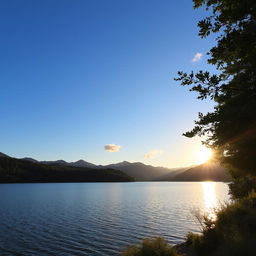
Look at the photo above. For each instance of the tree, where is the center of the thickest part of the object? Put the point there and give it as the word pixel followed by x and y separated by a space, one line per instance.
pixel 230 130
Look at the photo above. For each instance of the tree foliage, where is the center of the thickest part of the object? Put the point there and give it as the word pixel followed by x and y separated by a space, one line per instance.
pixel 231 128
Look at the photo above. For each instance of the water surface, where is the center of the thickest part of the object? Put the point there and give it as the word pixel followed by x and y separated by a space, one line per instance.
pixel 99 218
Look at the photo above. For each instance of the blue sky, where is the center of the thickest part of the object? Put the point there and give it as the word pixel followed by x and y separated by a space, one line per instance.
pixel 79 75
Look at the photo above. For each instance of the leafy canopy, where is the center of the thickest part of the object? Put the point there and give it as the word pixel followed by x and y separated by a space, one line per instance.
pixel 231 128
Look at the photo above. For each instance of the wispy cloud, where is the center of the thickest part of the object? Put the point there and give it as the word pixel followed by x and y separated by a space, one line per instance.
pixel 153 153
pixel 112 148
pixel 197 57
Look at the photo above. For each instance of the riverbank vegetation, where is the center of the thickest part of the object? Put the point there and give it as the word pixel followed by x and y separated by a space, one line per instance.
pixel 157 246
pixel 233 232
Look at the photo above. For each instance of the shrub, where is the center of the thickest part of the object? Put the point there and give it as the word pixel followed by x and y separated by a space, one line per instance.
pixel 157 246
pixel 194 241
pixel 232 233
pixel 242 186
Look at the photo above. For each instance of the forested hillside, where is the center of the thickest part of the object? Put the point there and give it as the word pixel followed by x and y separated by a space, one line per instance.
pixel 16 170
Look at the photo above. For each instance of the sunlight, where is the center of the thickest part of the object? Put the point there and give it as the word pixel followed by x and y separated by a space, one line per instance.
pixel 210 199
pixel 204 154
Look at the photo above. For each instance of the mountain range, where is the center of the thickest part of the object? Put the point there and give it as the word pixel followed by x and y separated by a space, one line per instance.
pixel 139 171
pixel 13 170
pixel 26 168
pixel 142 172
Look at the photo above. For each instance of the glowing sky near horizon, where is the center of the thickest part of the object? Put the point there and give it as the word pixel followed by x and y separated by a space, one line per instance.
pixel 93 80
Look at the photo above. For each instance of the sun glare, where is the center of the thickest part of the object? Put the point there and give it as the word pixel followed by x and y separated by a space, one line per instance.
pixel 204 154
pixel 210 200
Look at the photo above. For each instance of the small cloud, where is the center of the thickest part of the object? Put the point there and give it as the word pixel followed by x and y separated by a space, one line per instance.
pixel 197 57
pixel 153 154
pixel 112 148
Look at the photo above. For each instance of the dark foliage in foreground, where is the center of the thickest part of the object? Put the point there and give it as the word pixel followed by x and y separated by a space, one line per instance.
pixel 15 170
pixel 242 187
pixel 150 247
pixel 232 233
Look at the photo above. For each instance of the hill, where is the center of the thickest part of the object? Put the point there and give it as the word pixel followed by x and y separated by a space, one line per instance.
pixel 169 176
pixel 142 172
pixel 138 171
pixel 204 172
pixel 14 170
pixel 79 163
pixel 3 155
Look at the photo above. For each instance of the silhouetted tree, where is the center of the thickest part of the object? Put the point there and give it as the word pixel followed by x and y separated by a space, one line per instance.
pixel 231 128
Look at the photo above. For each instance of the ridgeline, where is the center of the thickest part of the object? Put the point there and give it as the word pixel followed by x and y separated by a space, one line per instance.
pixel 14 170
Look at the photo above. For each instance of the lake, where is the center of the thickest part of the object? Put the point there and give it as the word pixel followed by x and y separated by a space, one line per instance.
pixel 99 218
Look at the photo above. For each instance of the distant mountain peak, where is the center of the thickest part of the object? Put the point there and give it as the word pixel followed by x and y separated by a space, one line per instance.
pixel 60 162
pixel 81 161
pixel 30 159
pixel 125 162
pixel 121 163
pixel 3 155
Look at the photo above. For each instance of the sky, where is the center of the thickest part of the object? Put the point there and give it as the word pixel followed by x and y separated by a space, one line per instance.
pixel 93 80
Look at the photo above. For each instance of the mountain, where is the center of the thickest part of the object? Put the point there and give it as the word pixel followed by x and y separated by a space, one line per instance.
pixel 30 159
pixel 204 172
pixel 3 155
pixel 57 162
pixel 14 170
pixel 169 176
pixel 82 163
pixel 79 163
pixel 140 171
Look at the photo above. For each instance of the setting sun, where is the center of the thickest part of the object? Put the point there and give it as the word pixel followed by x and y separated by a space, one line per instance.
pixel 203 155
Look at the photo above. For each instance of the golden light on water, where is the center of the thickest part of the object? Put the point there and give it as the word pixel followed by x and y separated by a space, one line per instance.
pixel 210 199
pixel 204 154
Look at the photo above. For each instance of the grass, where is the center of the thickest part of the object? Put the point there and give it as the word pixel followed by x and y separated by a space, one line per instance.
pixel 157 246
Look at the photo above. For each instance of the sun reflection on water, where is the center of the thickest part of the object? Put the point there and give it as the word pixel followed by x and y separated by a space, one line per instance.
pixel 210 199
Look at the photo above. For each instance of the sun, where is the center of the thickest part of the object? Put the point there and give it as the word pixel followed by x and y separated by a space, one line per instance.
pixel 204 154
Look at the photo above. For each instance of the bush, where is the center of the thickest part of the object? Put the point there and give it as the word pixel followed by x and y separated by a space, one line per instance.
pixel 242 186
pixel 194 241
pixel 232 233
pixel 150 247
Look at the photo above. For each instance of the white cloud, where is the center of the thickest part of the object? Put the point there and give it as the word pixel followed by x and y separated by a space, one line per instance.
pixel 112 148
pixel 153 153
pixel 197 57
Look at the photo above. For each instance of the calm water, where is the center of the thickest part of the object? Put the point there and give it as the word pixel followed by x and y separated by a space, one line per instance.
pixel 99 218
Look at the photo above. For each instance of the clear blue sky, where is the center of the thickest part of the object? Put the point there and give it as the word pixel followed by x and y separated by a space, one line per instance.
pixel 80 74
